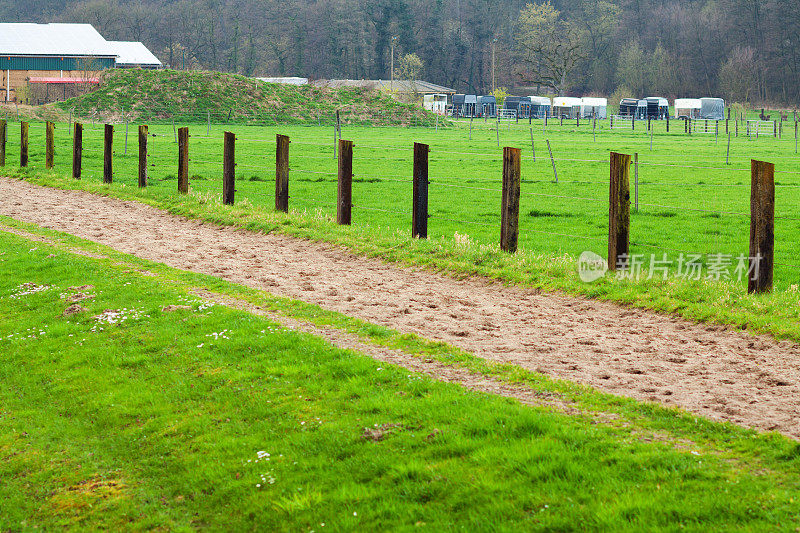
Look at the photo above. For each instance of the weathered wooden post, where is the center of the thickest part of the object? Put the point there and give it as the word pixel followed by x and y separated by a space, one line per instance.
pixel 419 210
pixel 108 154
pixel 23 144
pixel 509 218
pixel 77 150
pixel 762 226
pixel 229 169
pixel 282 173
pixel 49 150
pixel 183 160
pixel 619 209
pixel 344 200
pixel 143 130
pixel 3 133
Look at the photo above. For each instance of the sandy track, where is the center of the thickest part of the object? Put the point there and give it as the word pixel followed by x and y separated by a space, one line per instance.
pixel 718 373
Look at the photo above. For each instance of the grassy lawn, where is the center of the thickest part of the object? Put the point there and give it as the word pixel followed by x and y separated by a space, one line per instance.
pixel 689 202
pixel 164 419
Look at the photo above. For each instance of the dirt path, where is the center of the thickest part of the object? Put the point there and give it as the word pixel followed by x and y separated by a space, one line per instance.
pixel 727 375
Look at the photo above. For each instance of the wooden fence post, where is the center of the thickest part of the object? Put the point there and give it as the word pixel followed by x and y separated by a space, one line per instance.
pixel 229 169
pixel 183 160
pixel 419 210
pixel 143 130
pixel 619 209
pixel 509 217
pixel 3 133
pixel 344 201
pixel 282 173
pixel 762 226
pixel 23 144
pixel 49 149
pixel 108 154
pixel 77 150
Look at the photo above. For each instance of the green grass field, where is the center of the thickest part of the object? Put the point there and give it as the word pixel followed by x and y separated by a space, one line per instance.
pixel 690 201
pixel 212 418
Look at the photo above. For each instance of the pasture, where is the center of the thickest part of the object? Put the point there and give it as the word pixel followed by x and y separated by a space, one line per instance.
pixel 690 203
pixel 689 200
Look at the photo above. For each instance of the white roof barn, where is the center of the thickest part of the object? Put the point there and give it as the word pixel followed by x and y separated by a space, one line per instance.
pixel 40 44
pixel 26 39
pixel 31 53
pixel 133 55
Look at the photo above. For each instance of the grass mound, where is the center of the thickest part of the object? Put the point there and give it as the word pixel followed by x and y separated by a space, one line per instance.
pixel 197 96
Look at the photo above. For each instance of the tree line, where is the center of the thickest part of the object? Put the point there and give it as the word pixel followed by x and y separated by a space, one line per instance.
pixel 742 50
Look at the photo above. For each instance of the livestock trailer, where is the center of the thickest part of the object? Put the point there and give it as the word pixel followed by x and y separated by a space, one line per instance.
pixel 487 106
pixel 594 107
pixel 520 106
pixel 541 106
pixel 470 105
pixel 655 108
pixel 712 108
pixel 436 103
pixel 628 107
pixel 458 105
pixel 566 106
pixel 687 108
pixel 511 105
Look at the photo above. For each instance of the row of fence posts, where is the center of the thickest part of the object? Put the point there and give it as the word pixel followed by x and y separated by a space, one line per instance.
pixel 762 195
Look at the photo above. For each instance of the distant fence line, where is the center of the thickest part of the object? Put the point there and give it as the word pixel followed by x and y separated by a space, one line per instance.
pixel 755 128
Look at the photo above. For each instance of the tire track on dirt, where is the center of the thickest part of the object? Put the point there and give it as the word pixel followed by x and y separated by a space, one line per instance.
pixel 709 370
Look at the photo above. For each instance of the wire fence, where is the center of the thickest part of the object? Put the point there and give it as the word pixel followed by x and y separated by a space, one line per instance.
pixel 379 165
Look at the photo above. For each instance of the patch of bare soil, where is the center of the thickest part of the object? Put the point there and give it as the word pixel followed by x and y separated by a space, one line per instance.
pixel 718 373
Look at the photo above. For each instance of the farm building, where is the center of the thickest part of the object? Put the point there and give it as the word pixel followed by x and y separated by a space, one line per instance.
pixel 133 55
pixel 594 107
pixel 286 80
pixel 566 106
pixel 436 103
pixel 687 108
pixel 61 54
pixel 712 108
pixel 413 87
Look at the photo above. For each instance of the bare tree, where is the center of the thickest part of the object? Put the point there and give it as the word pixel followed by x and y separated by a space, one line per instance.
pixel 549 47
